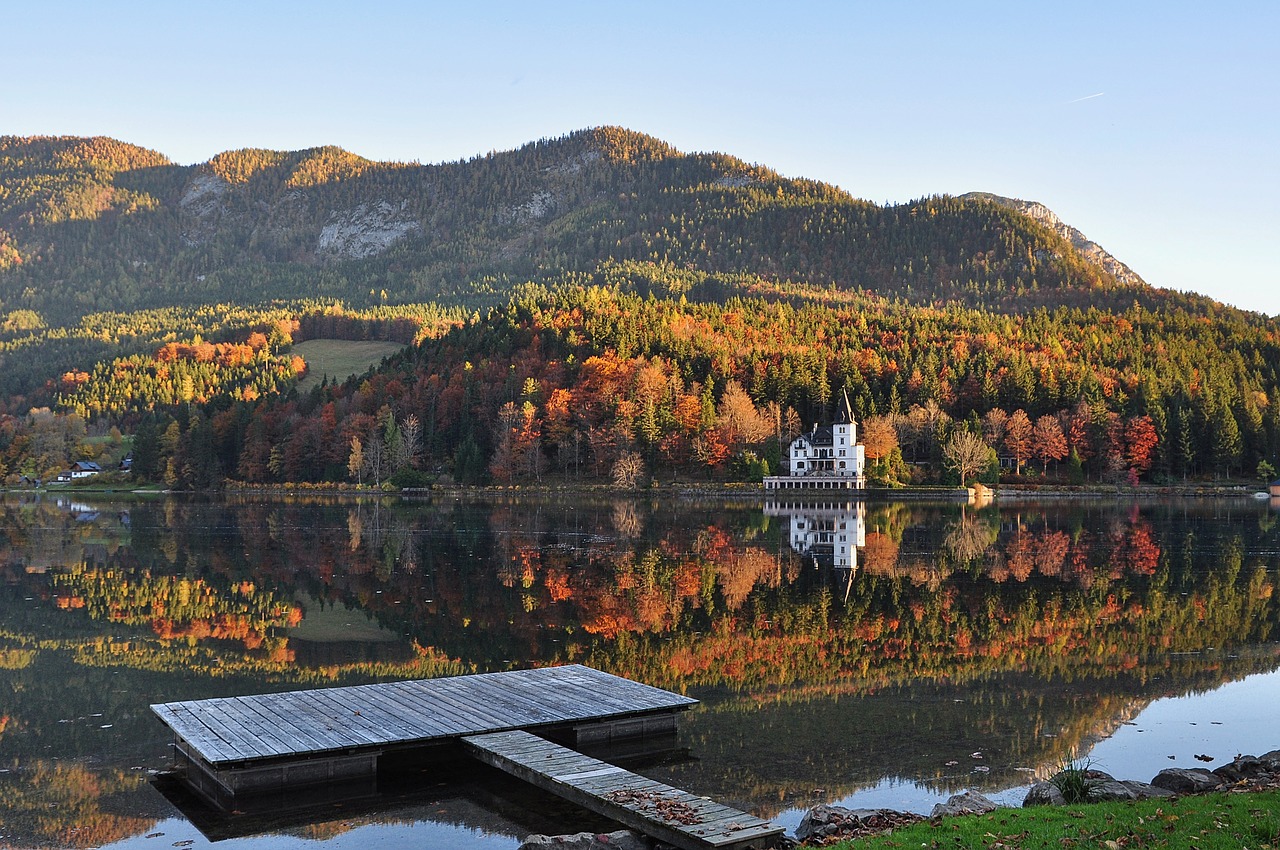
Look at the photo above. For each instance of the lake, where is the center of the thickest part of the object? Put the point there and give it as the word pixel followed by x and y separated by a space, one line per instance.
pixel 870 654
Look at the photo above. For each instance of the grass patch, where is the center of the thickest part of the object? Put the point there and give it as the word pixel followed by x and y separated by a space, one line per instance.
pixel 1074 782
pixel 1206 822
pixel 340 358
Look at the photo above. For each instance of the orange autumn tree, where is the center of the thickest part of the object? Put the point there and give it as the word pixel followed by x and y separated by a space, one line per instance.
pixel 1018 438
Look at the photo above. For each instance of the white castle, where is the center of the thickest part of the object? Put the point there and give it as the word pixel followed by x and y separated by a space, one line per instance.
pixel 826 458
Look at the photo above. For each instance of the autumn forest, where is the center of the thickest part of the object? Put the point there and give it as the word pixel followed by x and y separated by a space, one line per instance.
pixel 598 307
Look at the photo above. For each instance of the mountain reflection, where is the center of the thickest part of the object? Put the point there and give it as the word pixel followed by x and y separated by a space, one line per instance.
pixel 833 644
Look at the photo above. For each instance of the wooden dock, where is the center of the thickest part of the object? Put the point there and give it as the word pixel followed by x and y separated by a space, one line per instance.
pixel 668 814
pixel 274 742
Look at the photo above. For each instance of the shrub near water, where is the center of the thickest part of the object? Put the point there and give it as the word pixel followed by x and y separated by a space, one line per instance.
pixel 1204 822
pixel 1074 782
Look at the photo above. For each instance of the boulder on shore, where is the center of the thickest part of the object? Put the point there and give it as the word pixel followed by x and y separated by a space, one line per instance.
pixel 1044 793
pixel 1264 768
pixel 829 822
pixel 623 839
pixel 968 803
pixel 1181 780
pixel 1126 789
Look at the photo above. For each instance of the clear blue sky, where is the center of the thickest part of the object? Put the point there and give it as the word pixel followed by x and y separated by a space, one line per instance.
pixel 1154 127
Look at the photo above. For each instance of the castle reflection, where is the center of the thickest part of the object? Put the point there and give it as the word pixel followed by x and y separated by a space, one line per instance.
pixel 828 533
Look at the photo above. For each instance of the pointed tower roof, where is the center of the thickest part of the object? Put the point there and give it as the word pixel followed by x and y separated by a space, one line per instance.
pixel 844 413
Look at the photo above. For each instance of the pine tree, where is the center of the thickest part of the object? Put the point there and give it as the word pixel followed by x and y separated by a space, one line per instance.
pixel 1225 438
pixel 146 451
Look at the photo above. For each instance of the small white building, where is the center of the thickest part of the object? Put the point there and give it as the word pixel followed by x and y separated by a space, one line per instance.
pixel 826 458
pixel 81 469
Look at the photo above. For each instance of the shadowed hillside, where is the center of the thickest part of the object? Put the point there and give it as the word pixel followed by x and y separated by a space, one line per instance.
pixel 93 224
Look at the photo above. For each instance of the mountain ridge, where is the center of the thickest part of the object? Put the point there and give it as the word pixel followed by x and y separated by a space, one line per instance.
pixel 93 224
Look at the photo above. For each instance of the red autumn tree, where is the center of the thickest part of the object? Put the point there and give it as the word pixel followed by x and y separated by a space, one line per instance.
pixel 878 436
pixel 1047 441
pixel 1080 431
pixel 1140 443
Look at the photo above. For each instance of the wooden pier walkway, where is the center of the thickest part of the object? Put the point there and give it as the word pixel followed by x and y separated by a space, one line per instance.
pixel 236 730
pixel 676 817
pixel 269 742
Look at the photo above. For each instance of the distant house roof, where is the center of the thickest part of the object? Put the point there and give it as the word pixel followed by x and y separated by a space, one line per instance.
pixel 86 466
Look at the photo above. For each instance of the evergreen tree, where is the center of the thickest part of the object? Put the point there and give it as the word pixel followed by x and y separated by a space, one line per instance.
pixel 146 451
pixel 1225 438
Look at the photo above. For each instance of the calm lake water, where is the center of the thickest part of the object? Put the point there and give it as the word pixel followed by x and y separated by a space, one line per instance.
pixel 870 654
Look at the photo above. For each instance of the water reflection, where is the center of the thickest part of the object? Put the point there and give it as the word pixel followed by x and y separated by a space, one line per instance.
pixel 837 646
pixel 827 532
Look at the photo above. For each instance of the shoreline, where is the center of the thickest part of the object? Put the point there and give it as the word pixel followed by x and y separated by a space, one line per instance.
pixel 703 489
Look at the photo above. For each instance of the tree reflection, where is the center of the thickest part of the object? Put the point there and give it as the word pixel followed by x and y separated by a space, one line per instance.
pixel 65 805
pixel 188 599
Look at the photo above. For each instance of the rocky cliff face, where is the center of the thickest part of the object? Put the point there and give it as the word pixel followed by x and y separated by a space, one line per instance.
pixel 210 205
pixel 365 231
pixel 1090 249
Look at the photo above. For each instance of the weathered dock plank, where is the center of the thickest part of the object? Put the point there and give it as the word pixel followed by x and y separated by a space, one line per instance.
pixel 668 814
pixel 341 717
pixel 336 723
pixel 446 712
pixel 230 731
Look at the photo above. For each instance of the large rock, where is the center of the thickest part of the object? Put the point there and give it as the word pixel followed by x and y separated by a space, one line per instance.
pixel 822 822
pixel 1127 789
pixel 623 839
pixel 1264 768
pixel 968 803
pixel 1181 780
pixel 1044 793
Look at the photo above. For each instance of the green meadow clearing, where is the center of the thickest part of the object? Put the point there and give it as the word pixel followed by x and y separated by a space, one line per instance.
pixel 340 358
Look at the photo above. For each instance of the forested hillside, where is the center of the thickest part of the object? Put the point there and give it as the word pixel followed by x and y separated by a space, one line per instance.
pixel 581 382
pixel 599 305
pixel 91 225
